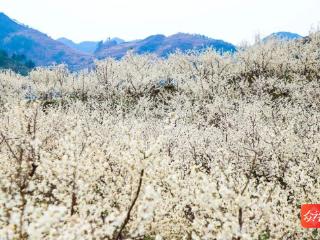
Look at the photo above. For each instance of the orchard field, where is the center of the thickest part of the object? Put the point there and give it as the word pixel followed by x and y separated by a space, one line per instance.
pixel 196 146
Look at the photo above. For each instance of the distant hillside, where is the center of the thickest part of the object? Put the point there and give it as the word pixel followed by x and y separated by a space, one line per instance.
pixel 282 36
pixel 19 39
pixel 16 63
pixel 163 46
pixel 89 46
pixel 86 46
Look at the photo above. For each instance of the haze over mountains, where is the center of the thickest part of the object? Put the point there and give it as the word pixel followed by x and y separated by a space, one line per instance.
pixel 19 39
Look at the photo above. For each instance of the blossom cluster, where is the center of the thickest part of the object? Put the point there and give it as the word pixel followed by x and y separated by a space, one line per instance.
pixel 196 146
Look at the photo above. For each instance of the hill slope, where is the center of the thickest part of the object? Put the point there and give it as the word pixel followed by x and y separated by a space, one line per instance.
pixel 282 36
pixel 86 46
pixel 16 38
pixel 163 46
pixel 17 63
pixel 89 46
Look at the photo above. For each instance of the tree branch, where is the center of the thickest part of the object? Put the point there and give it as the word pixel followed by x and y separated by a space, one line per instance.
pixel 118 236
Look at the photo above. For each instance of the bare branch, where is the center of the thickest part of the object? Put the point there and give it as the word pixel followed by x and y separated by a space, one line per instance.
pixel 127 219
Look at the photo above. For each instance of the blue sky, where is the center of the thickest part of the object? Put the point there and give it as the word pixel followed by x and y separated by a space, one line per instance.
pixel 231 20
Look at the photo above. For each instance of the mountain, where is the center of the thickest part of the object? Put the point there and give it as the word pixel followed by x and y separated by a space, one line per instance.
pixel 163 46
pixel 117 40
pixel 86 46
pixel 16 38
pixel 89 46
pixel 282 36
pixel 16 63
pixel 110 42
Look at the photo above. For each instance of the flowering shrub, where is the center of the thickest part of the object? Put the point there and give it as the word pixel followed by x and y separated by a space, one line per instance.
pixel 196 146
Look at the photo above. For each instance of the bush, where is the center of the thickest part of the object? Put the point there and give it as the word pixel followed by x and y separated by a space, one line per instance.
pixel 196 146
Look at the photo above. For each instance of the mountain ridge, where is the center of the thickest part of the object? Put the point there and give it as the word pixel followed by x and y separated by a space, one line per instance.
pixel 85 46
pixel 162 45
pixel 282 36
pixel 16 38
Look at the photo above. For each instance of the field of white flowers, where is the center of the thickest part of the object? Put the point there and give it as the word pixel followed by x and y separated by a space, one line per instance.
pixel 196 146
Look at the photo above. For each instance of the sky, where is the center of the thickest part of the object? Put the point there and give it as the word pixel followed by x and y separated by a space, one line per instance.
pixel 234 21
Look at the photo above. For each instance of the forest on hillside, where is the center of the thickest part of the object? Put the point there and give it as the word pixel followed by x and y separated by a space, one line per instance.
pixel 16 63
pixel 195 146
